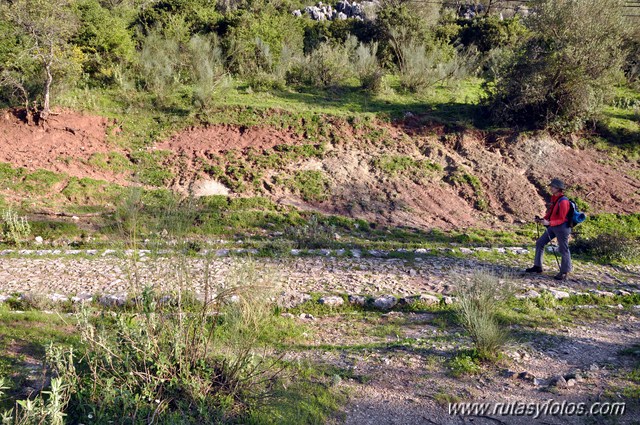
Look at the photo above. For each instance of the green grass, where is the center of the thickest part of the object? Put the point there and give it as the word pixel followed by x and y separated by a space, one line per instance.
pixel 395 165
pixel 620 122
pixel 311 185
pixel 23 339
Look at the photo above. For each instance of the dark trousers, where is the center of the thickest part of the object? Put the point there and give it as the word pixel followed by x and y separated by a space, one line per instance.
pixel 561 232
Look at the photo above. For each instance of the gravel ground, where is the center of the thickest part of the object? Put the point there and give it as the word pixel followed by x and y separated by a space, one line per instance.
pixel 324 274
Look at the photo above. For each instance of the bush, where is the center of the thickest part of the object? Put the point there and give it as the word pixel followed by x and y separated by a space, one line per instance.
pixel 561 76
pixel 367 67
pixel 490 32
pixel 479 298
pixel 422 66
pixel 608 247
pixel 15 229
pixel 327 66
pixel 105 40
pixel 185 361
pixel 313 234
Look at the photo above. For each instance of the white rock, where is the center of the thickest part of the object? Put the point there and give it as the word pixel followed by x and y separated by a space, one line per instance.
pixel 558 295
pixel 331 300
pixel 38 240
pixel 385 302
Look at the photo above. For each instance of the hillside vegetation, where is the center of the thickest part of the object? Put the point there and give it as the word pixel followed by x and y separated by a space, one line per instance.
pixel 275 212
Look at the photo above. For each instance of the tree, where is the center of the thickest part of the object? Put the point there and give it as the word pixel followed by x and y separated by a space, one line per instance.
pixel 45 28
pixel 560 76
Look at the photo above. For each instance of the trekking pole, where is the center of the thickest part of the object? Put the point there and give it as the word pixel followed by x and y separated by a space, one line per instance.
pixel 555 254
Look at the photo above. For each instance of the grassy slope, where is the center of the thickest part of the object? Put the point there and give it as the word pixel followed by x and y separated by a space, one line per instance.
pixel 304 111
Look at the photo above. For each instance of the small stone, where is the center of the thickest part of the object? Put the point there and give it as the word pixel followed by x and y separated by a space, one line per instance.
pixel 385 302
pixel 38 240
pixel 560 382
pixel 356 253
pixel 288 315
pixel 429 299
pixel 306 316
pixel 3 298
pixel 413 273
pixel 558 295
pixel 449 300
pixel 571 383
pixel 622 292
pixel 526 376
pixel 292 299
pixel 466 251
pixel 58 298
pixel 357 300
pixel 331 301
pixel 538 382
pixel 509 374
pixel 82 297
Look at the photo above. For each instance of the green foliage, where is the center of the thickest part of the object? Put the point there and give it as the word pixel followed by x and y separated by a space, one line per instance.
pixel 608 247
pixel 561 76
pixel 194 16
pixel 15 229
pixel 480 296
pixel 422 66
pixel 44 29
pixel 464 178
pixel 258 43
pixel 312 234
pixel 185 360
pixel 489 32
pixel 312 185
pixel 406 166
pixel 464 364
pixel 105 40
pixel 47 407
pixel 326 66
pixel 151 170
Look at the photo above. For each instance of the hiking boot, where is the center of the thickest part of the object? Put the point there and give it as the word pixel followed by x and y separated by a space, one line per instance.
pixel 534 269
pixel 560 276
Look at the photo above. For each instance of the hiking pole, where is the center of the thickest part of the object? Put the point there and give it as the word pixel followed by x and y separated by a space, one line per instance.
pixel 555 254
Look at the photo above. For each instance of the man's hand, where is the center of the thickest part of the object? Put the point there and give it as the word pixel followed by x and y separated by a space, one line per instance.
pixel 545 222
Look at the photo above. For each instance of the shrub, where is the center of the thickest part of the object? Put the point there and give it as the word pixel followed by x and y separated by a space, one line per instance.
pixel 105 40
pixel 479 298
pixel 560 77
pixel 327 66
pixel 367 67
pixel 185 361
pixel 490 32
pixel 312 234
pixel 424 65
pixel 206 68
pixel 15 229
pixel 608 247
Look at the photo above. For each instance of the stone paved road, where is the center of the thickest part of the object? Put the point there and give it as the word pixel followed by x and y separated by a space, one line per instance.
pixel 427 274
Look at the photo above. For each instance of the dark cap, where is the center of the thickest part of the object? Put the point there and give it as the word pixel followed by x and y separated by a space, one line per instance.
pixel 557 183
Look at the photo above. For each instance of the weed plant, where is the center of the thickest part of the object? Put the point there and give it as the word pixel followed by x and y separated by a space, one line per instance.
pixel 480 297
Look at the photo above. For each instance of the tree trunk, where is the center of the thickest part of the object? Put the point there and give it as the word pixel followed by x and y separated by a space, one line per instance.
pixel 44 114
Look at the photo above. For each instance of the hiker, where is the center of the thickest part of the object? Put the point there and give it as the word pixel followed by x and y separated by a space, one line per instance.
pixel 557 224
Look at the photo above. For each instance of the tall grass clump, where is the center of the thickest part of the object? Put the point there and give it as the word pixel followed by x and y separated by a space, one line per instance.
pixel 14 229
pixel 422 66
pixel 367 67
pixel 329 65
pixel 177 359
pixel 480 297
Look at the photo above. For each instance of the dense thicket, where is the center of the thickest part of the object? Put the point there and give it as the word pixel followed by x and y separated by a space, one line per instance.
pixel 551 68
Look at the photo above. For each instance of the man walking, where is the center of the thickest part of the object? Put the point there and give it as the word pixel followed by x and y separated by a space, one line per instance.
pixel 557 224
